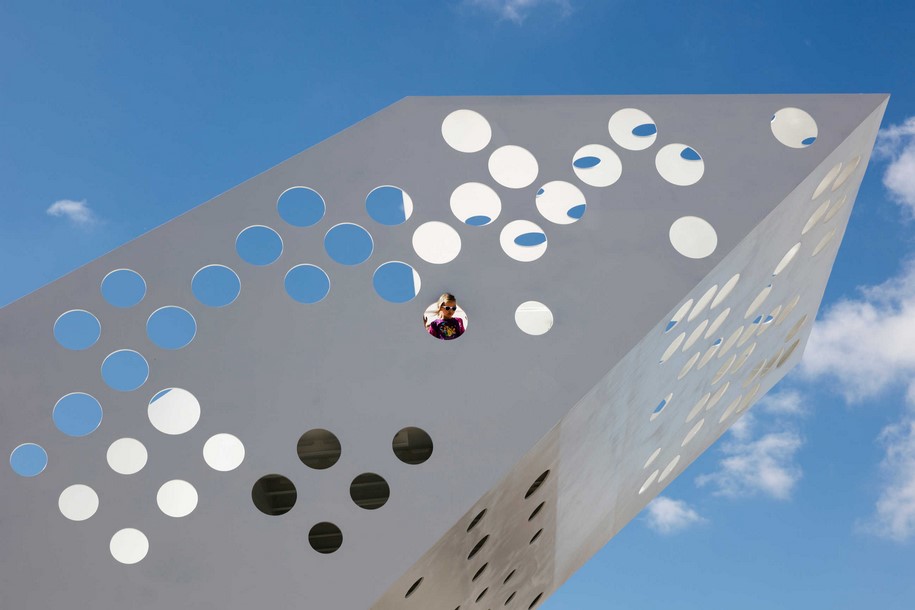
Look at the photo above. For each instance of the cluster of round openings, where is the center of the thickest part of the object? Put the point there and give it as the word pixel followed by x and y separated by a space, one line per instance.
pixel 171 327
pixel 794 128
pixel 123 288
pixel 77 330
pixel 301 206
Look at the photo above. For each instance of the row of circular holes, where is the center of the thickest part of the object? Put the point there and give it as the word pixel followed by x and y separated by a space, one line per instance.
pixel 536 485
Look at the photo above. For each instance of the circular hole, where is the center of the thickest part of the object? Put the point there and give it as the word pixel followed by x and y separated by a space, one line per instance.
pixel 827 180
pixel 509 577
pixel 695 335
pixel 536 536
pixel 78 502
pixel 223 452
pixel 513 167
pixel 836 208
pixel 123 288
pixel 758 301
pixel 697 408
pixel 815 217
pixel 325 537
pixel 789 256
pixel 536 511
pixel 725 290
pixel 127 456
pixel 28 460
pixel 129 546
pixel 652 458
pixel 369 491
pixel 850 168
pixel 824 242
pixel 177 498
pixel 216 286
pixel 444 319
pixel 414 587
pixel 478 546
pixel 259 245
pixel 77 414
pixel 174 411
pixel 77 329
pixel 702 303
pixel 534 603
pixel 389 205
pixel 319 449
pixel 560 202
pixel 412 445
pixel 536 484
pixel 597 165
pixel 523 241
pixel 479 572
pixel 651 479
pixel 274 495
pixel 689 365
pixel 662 405
pixel 396 282
pixel 675 319
pixel 307 284
pixel 713 328
pixel 476 520
pixel 693 237
pixel 171 327
pixel 632 129
pixel 669 469
pixel 301 206
pixel 534 318
pixel 680 164
pixel 672 348
pixel 475 204
pixel 125 370
pixel 794 128
pixel 692 433
pixel 482 594
pixel 348 244
pixel 436 243
pixel 466 131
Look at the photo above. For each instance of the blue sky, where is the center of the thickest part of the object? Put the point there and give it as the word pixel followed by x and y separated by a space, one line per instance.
pixel 115 118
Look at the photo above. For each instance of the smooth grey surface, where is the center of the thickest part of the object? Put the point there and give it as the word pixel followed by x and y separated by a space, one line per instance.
pixel 267 368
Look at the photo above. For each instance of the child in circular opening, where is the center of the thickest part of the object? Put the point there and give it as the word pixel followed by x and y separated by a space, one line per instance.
pixel 446 326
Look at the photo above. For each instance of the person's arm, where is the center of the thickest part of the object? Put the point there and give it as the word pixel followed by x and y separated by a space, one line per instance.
pixel 460 326
pixel 433 329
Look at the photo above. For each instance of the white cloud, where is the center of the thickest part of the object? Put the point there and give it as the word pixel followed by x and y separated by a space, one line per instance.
pixel 518 10
pixel 786 402
pixel 763 465
pixel 667 516
pixel 897 144
pixel 77 212
pixel 866 345
pixel 894 515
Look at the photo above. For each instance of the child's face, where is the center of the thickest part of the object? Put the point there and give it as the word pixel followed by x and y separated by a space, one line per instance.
pixel 447 310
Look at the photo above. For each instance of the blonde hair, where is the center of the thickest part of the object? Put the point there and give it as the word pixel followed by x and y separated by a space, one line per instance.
pixel 446 296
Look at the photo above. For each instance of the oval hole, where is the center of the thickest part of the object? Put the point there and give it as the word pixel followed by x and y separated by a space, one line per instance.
pixel 536 484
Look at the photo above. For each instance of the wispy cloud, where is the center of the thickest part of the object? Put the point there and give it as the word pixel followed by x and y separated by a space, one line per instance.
pixel 518 10
pixel 897 144
pixel 894 514
pixel 77 212
pixel 867 344
pixel 667 516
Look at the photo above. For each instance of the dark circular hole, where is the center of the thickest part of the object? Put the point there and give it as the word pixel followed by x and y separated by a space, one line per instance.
pixel 412 445
pixel 274 494
pixel 319 449
pixel 476 520
pixel 536 485
pixel 510 598
pixel 534 603
pixel 537 535
pixel 509 577
pixel 369 491
pixel 536 510
pixel 478 546
pixel 482 594
pixel 325 537
pixel 479 572
pixel 413 587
